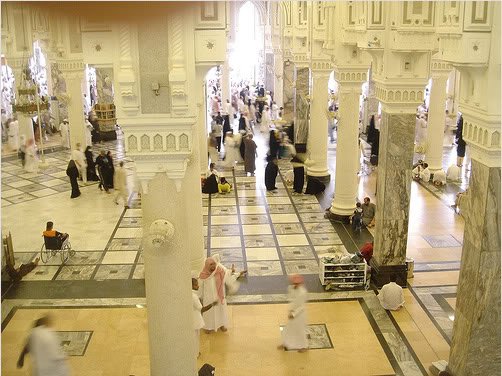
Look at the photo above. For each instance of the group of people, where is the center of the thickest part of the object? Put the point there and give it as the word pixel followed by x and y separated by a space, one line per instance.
pixel 363 215
pixel 209 292
pixel 83 166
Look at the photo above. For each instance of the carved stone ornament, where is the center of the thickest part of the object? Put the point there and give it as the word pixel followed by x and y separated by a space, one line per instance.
pixel 159 233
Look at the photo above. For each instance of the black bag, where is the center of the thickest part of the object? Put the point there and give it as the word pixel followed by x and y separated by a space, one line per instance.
pixel 314 186
pixel 206 370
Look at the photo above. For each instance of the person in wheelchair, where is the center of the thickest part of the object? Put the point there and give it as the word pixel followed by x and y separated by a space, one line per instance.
pixel 51 233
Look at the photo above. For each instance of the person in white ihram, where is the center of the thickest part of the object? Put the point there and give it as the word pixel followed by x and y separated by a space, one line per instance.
pixel 45 349
pixel 294 334
pixel 391 295
pixel 78 156
pixel 198 310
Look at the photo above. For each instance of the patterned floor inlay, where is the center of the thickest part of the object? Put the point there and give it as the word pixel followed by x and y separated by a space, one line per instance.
pixel 75 343
pixel 441 241
pixel 318 337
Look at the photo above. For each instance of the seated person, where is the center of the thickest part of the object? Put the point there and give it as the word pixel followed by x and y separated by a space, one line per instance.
pixel 366 252
pixel 369 210
pixel 425 174
pixel 417 170
pixel 439 178
pixel 51 233
pixel 224 186
pixel 212 171
pixel 357 218
pixel 453 173
pixel 16 274
pixel 391 295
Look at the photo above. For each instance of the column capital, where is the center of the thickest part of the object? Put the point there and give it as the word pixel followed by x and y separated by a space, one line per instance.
pixel 160 146
pixel 400 96
pixel 440 68
pixel 482 133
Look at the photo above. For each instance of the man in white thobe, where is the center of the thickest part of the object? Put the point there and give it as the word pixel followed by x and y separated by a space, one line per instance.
pixel 212 281
pixel 120 185
pixel 294 334
pixel 46 352
pixel 275 111
pixel 78 156
pixel 198 310
pixel 64 128
pixel 391 295
pixel 13 133
pixel 88 133
pixel 212 288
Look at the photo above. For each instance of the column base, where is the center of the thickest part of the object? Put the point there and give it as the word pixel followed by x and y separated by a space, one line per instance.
pixel 342 212
pixel 337 217
pixel 322 175
pixel 380 274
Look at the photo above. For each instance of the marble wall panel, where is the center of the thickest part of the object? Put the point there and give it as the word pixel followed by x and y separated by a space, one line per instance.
pixel 393 187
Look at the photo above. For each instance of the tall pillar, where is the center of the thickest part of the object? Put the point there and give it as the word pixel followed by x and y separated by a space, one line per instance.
pixel 347 150
pixel 372 101
pixel 395 160
pixel 278 78
pixel 167 278
pixel 475 348
pixel 317 144
pixel 73 72
pixel 225 82
pixel 436 119
pixel 201 129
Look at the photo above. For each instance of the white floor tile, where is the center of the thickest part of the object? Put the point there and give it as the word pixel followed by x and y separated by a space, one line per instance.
pixel 225 242
pixel 252 210
pixel 52 183
pixel 20 183
pixel 119 257
pixel 284 218
pixel 256 229
pixel 11 192
pixel 257 254
pixel 43 192
pixel 224 220
pixel 129 232
pixel 292 239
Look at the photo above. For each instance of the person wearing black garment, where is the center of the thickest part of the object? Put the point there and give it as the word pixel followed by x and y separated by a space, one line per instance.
pixel 299 174
pixel 274 144
pixel 72 172
pixel 104 171
pixel 460 141
pixel 226 127
pixel 91 166
pixel 112 169
pixel 242 123
pixel 271 172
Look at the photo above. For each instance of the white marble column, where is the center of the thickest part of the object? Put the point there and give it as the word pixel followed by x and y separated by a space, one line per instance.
pixel 225 82
pixel 73 80
pixel 168 279
pixel 278 79
pixel 201 130
pixel 436 121
pixel 347 150
pixel 317 144
pixel 193 203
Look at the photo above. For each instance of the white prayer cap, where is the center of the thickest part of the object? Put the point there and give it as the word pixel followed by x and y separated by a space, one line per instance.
pixel 195 274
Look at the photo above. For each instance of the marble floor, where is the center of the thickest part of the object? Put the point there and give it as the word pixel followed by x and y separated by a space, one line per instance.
pixel 95 294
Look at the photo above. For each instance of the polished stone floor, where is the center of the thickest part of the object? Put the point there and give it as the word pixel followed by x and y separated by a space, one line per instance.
pixel 97 296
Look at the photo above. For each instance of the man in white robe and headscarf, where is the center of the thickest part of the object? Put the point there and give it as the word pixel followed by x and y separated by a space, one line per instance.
pixel 294 334
pixel 212 282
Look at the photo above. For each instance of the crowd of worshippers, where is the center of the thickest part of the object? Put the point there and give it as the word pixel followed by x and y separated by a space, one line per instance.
pixel 82 166
pixel 209 297
pixel 258 112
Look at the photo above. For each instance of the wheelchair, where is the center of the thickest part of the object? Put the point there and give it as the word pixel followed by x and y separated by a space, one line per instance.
pixel 54 245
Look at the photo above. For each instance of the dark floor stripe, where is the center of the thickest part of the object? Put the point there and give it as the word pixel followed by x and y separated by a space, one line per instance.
pixel 431 317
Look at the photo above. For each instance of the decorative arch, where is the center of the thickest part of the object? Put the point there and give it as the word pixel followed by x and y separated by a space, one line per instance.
pixel 495 139
pixel 184 145
pixel 132 142
pixel 171 142
pixel 145 142
pixel 157 142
